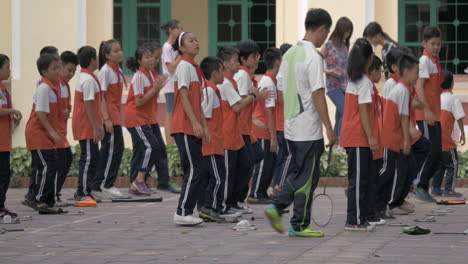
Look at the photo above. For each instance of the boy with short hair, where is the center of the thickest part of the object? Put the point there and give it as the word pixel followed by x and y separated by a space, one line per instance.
pixel 42 136
pixel 235 151
pixel 69 62
pixel 249 57
pixel 305 110
pixel 214 170
pixel 428 119
pixel 87 122
pixel 264 129
pixel 451 112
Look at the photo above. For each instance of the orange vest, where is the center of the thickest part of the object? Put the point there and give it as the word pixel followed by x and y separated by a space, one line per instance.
pixel 432 91
pixel 215 128
pixel 6 122
pixel 82 128
pixel 37 137
pixel 139 115
pixel 232 136
pixel 180 121
pixel 113 96
pixel 261 114
pixel 65 103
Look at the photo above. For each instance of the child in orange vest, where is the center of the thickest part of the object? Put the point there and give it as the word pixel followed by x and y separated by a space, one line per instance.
pixel 42 136
pixel 9 118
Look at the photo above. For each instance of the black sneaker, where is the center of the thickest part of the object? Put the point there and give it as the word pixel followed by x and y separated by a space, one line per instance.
pixel 5 211
pixel 210 215
pixel 78 196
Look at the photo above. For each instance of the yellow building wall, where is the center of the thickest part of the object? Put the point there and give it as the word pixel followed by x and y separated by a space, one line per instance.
pixel 193 16
pixel 286 22
pixel 5 27
pixel 100 17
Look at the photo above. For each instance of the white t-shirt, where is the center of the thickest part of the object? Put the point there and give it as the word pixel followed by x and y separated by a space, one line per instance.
pixel 43 96
pixel 244 83
pixel 400 96
pixel 363 88
pixel 228 92
pixel 426 67
pixel 87 85
pixel 389 84
pixel 107 76
pixel 139 82
pixel 169 55
pixel 185 74
pixel 452 104
pixel 210 102
pixel 267 83
pixel 307 126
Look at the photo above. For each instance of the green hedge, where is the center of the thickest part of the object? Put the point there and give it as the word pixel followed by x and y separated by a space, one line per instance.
pixel 21 164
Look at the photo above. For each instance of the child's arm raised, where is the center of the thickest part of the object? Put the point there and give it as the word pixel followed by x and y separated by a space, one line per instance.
pixel 157 86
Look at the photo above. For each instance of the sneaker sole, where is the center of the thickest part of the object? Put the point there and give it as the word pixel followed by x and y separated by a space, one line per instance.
pixel 187 224
pixel 270 219
pixel 210 218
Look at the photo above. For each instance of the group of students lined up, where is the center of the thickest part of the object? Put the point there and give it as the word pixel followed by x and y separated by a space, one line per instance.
pixel 228 128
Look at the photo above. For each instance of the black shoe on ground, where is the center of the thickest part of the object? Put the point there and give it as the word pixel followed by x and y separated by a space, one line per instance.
pixel 210 215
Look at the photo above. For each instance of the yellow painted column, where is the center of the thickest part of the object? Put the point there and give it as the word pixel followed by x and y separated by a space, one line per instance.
pixel 5 27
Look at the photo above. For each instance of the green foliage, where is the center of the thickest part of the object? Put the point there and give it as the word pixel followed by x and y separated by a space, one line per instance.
pixel 21 164
pixel 338 165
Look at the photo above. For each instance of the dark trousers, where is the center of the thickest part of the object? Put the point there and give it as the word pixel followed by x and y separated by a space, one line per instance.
pixel 5 175
pixel 361 167
pixel 230 163
pixel 421 152
pixel 409 169
pixel 64 161
pixel 283 160
pixel 192 164
pixel 144 143
pixel 240 183
pixel 110 157
pixel 448 167
pixel 160 157
pixel 89 160
pixel 44 170
pixel 263 171
pixel 212 183
pixel 303 177
pixel 433 134
pixel 373 185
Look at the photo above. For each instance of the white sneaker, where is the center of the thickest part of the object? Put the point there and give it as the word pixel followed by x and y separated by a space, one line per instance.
pixel 230 214
pixel 100 195
pixel 380 222
pixel 112 192
pixel 244 209
pixel 188 220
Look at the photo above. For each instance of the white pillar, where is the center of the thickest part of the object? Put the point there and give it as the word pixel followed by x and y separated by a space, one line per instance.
pixel 82 23
pixel 16 39
pixel 301 15
pixel 370 11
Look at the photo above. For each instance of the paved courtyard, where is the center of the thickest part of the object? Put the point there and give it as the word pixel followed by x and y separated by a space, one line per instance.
pixel 131 233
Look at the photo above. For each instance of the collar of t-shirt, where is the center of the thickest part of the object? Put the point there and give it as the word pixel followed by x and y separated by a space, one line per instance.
pixel 447 91
pixel 234 83
pixel 411 91
pixel 117 71
pixel 56 89
pixel 393 76
pixel 376 98
pixel 200 75
pixel 63 82
pixel 251 75
pixel 147 74
pixel 272 77
pixel 437 62
pixel 92 75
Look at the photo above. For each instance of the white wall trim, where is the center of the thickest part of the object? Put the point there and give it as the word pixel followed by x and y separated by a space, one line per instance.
pixel 16 39
pixel 301 15
pixel 82 23
pixel 370 11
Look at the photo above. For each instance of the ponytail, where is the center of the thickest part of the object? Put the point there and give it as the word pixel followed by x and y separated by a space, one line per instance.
pixel 132 62
pixel 104 49
pixel 171 24
pixel 358 59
